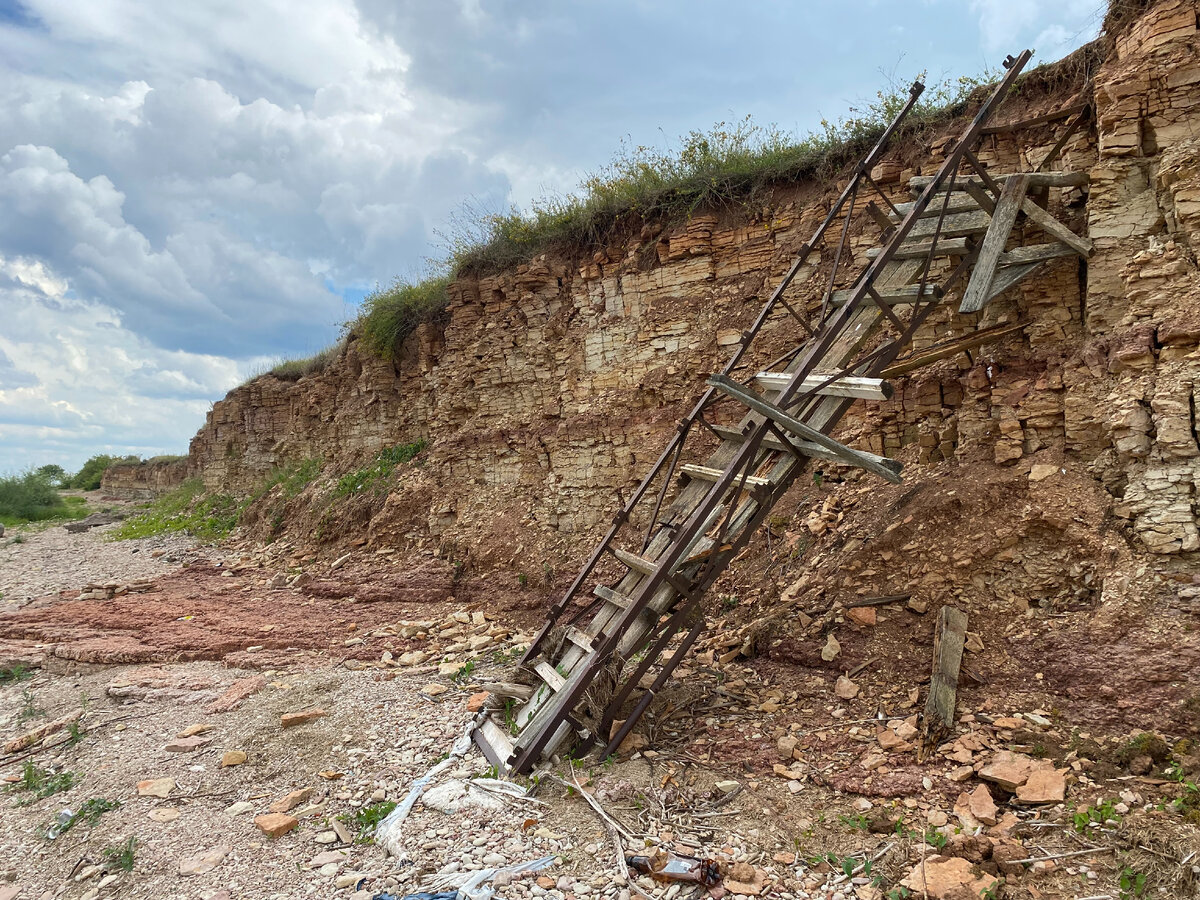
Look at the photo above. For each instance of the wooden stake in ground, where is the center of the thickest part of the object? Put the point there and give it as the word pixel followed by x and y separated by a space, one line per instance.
pixel 948 642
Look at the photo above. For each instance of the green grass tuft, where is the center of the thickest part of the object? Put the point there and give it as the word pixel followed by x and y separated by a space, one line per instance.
pixel 361 480
pixel 392 314
pixel 15 673
pixel 89 814
pixel 366 819
pixel 121 856
pixel 295 369
pixel 42 783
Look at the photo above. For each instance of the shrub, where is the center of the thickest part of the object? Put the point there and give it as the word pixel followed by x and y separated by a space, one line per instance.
pixel 295 369
pixel 390 315
pixel 358 481
pixel 88 477
pixel 29 498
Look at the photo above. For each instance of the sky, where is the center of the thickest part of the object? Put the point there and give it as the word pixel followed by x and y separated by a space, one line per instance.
pixel 192 191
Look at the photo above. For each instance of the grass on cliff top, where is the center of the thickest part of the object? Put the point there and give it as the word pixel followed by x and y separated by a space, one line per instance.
pixel 728 165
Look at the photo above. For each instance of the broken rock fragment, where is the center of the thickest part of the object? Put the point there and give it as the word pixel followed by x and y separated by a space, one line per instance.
pixel 291 720
pixel 276 824
pixel 949 877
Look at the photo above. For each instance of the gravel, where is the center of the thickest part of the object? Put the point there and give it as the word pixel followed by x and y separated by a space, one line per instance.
pixel 35 563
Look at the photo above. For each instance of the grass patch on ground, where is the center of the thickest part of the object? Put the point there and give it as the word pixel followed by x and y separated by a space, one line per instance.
pixel 89 814
pixel 367 819
pixel 187 508
pixel 361 480
pixel 121 856
pixel 42 783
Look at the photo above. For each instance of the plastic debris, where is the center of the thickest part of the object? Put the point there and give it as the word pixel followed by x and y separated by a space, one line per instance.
pixel 664 865
pixel 56 827
pixel 470 885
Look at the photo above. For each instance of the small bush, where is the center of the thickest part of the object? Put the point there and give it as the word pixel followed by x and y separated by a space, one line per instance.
pixel 366 819
pixel 121 856
pixel 88 477
pixel 30 498
pixel 362 479
pixel 390 315
pixel 40 782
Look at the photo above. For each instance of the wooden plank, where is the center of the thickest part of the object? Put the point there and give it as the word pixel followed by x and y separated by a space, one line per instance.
pixel 1035 253
pixel 580 639
pixel 1063 113
pixel 948 640
pixel 1009 276
pixel 608 595
pixel 953 225
pixel 957 204
pixel 994 242
pixel 1036 179
pixel 633 561
pixel 495 744
pixel 970 342
pixel 854 457
pixel 808 448
pixel 549 675
pixel 1056 229
pixel 706 473
pixel 846 386
pixel 951 247
pixel 891 296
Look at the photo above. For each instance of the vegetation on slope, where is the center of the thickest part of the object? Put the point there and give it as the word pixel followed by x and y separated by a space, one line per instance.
pixel 34 497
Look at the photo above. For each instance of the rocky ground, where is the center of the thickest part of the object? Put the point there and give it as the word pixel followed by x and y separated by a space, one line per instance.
pixel 166 717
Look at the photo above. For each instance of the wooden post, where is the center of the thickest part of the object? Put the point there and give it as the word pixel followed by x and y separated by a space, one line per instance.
pixel 948 642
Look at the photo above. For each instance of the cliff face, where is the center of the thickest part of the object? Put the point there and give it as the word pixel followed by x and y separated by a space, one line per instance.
pixel 143 481
pixel 555 385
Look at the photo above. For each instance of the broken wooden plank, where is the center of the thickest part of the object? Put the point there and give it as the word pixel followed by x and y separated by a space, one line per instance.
pixel 513 689
pixel 948 639
pixel 1063 113
pixel 497 746
pixel 957 204
pixel 705 473
pixel 1035 253
pixel 633 561
pixel 969 342
pixel 890 471
pixel 608 595
pixel 1007 277
pixel 845 386
pixel 994 242
pixel 549 675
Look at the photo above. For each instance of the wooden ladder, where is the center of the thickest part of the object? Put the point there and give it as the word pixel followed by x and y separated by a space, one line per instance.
pixel 591 658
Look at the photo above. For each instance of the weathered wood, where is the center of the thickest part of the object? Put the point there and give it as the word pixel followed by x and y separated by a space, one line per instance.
pixel 1063 113
pixel 882 219
pixel 891 296
pixel 948 640
pixel 513 689
pixel 580 639
pixel 951 247
pixel 705 473
pixel 633 561
pixel 1035 253
pixel 1055 228
pixel 953 225
pixel 1036 179
pixel 970 342
pixel 549 675
pixel 497 746
pixel 846 386
pixel 1009 276
pixel 788 423
pixel 608 595
pixel 808 448
pixel 994 242
pixel 957 204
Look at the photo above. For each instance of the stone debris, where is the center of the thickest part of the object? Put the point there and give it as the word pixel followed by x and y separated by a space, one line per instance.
pixel 237 693
pixel 232 758
pixel 947 878
pixel 156 787
pixel 291 720
pixel 276 824
pixel 290 801
pixel 187 744
pixel 203 863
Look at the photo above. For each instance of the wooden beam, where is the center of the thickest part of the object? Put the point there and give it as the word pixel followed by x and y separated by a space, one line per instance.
pixel 970 342
pixel 1035 253
pixel 994 242
pixel 948 640
pixel 1009 276
pixel 1055 228
pixel 957 204
pixel 1036 120
pixel 795 426
pixel 808 448
pixel 846 386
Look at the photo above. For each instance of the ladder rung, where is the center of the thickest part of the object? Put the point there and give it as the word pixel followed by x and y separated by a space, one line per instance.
pixel 957 204
pixel 950 247
pixel 1035 253
pixel 1036 179
pixel 633 561
pixel 580 639
pixel 846 386
pixel 704 473
pixel 956 225
pixel 808 448
pixel 608 595
pixel 495 744
pixel 549 675
pixel 891 296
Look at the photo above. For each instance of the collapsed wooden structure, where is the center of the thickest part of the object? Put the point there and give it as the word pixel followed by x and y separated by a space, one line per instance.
pixel 597 665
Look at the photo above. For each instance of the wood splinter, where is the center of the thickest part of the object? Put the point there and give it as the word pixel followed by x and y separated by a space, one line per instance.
pixel 948 641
